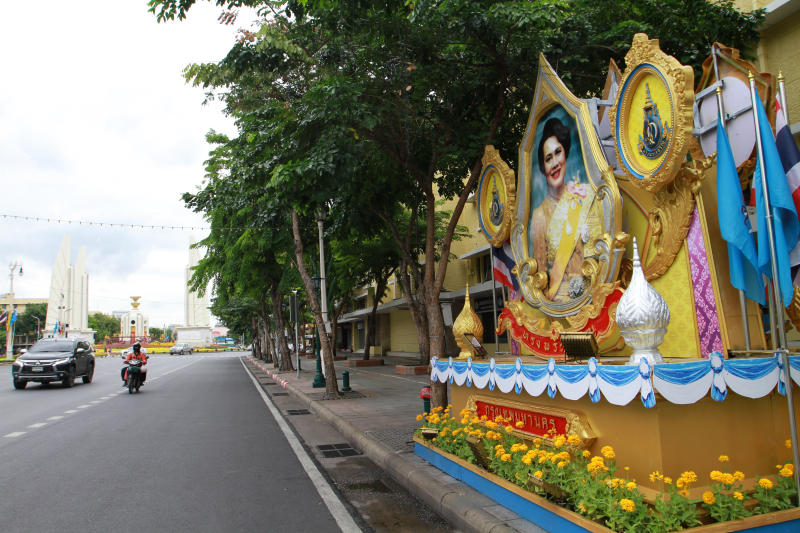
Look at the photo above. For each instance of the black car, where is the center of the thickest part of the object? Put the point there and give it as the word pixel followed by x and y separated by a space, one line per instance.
pixel 54 360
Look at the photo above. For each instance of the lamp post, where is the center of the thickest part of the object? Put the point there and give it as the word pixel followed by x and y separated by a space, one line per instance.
pixel 37 327
pixel 319 379
pixel 12 267
pixel 296 336
pixel 323 293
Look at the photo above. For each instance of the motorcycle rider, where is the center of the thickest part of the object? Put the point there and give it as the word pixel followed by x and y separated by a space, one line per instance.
pixel 137 353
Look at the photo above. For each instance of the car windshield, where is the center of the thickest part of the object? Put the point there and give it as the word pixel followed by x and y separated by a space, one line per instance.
pixel 51 347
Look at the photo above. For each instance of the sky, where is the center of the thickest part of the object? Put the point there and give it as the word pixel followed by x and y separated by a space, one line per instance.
pixel 98 124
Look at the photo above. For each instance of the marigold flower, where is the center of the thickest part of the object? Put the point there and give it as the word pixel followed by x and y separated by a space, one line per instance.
pixel 520 424
pixel 668 480
pixel 509 429
pixel 715 475
pixel 788 443
pixel 708 497
pixel 631 485
pixel 506 457
pixel 499 419
pixel 526 459
pixel 738 476
pixel 523 447
pixel 538 474
pixel 627 505
pixel 562 464
pixel 765 483
pixel 586 453
pixel 574 439
pixel 499 452
pixel 786 472
pixel 559 441
pixel 680 483
pixel 498 446
pixel 738 495
pixel 515 447
pixel 419 417
pixel 582 508
pixel 723 459
pixel 608 452
pixel 537 441
pixel 684 493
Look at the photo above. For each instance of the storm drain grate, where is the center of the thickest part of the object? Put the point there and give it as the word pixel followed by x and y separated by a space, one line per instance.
pixel 337 450
pixel 298 412
pixel 280 394
pixel 267 383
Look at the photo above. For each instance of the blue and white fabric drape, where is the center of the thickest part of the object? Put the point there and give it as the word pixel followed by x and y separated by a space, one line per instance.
pixel 679 383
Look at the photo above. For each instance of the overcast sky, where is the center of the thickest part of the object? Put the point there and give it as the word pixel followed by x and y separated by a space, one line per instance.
pixel 98 124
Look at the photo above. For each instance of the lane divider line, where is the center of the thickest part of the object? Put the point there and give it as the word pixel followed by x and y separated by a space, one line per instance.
pixel 15 434
pixel 37 425
pixel 331 499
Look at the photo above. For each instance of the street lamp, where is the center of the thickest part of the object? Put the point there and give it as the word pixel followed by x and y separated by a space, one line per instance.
pixel 319 378
pixel 296 336
pixel 324 293
pixel 12 268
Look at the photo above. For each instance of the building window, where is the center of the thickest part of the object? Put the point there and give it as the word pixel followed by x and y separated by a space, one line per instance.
pixel 483 266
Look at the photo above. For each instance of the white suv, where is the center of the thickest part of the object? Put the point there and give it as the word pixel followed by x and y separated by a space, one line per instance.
pixel 181 348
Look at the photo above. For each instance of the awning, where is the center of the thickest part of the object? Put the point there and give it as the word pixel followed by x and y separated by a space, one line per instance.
pixel 476 251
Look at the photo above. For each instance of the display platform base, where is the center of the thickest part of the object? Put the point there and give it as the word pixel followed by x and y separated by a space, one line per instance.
pixel 551 517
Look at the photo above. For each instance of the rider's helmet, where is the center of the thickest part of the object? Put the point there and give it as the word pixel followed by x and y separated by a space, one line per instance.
pixel 137 345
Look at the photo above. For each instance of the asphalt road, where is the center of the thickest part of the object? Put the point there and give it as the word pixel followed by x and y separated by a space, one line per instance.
pixel 196 450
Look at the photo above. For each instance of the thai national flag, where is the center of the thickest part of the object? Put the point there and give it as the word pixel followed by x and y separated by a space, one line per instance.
pixel 503 263
pixel 790 158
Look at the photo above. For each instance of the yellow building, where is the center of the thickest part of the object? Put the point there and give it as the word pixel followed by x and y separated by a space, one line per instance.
pixel 21 303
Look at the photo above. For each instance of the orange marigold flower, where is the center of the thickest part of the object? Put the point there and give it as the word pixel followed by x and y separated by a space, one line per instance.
pixel 526 459
pixel 765 483
pixel 631 485
pixel 574 439
pixel 738 495
pixel 582 508
pixel 538 474
pixel 586 453
pixel 627 505
pixel 788 443
pixel 520 424
pixel 559 441
pixel 668 480
pixel 506 457
pixel 738 476
pixel 724 459
pixel 786 472
pixel 509 429
pixel 608 452
pixel 708 497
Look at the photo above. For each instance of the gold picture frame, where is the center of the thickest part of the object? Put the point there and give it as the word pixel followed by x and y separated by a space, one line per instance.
pixel 497 195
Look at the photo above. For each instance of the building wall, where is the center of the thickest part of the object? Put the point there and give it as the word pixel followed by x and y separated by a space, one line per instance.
pixel 22 303
pixel 404 334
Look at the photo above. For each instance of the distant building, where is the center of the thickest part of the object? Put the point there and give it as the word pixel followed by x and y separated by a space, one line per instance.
pixel 21 303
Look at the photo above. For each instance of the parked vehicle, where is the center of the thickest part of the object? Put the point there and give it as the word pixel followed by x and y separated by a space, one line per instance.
pixel 180 348
pixel 50 360
pixel 133 375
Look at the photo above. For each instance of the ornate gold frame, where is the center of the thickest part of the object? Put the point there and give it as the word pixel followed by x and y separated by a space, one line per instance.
pixel 609 247
pixel 577 423
pixel 492 162
pixel 645 57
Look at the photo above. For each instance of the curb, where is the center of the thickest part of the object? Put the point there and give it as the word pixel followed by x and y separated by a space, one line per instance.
pixel 459 504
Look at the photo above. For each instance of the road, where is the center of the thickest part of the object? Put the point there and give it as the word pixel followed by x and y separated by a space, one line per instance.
pixel 196 450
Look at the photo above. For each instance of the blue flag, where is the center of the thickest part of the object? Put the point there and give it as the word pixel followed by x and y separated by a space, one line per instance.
pixel 14 317
pixel 784 216
pixel 734 224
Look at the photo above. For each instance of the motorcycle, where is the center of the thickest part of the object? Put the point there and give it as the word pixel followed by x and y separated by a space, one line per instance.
pixel 133 375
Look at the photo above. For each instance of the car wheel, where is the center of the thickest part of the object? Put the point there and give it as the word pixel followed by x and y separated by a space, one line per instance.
pixel 19 385
pixel 88 377
pixel 69 381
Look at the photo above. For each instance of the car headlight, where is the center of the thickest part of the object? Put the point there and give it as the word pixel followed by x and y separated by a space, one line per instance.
pixel 62 361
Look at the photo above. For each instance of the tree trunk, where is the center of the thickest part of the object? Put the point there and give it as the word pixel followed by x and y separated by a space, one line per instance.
pixel 269 347
pixel 284 359
pixel 331 385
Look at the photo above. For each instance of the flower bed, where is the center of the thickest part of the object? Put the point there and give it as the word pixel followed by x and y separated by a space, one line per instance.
pixel 557 471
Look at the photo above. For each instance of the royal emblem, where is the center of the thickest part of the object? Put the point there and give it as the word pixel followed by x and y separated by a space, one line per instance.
pixel 496 209
pixel 655 133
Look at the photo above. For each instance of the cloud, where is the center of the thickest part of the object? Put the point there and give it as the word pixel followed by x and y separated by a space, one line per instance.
pixel 98 124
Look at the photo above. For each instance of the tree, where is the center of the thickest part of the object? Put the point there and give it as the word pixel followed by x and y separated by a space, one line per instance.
pixel 104 326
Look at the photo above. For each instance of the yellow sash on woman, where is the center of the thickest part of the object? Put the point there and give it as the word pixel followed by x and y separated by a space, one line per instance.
pixel 577 209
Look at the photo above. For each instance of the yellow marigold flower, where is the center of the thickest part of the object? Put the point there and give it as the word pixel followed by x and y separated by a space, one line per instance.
pixel 498 446
pixel 653 476
pixel 738 476
pixel 562 464
pixel 499 452
pixel 786 472
pixel 506 457
pixel 608 452
pixel 627 468
pixel 788 443
pixel 559 441
pixel 499 419
pixel 586 453
pixel 789 466
pixel 537 441
pixel 709 498
pixel 631 485
pixel 680 483
pixel 689 476
pixel 684 493
pixel 538 474
pixel 523 447
pixel 723 459
pixel 509 429
pixel 715 475
pixel 491 425
pixel 514 447
pixel 728 479
pixel 582 508
pixel 778 466
pixel 738 495
pixel 627 505
pixel 520 424
pixel 484 418
pixel 574 439
pixel 475 420
pixel 765 483
pixel 668 480
pixel 526 459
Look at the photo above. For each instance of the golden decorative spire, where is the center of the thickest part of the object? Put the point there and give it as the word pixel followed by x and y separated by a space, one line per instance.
pixel 467 322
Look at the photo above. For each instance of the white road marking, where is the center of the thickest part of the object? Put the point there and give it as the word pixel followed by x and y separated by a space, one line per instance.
pixel 84 406
pixel 37 425
pixel 335 506
pixel 57 417
pixel 15 434
pixel 96 401
pixel 71 411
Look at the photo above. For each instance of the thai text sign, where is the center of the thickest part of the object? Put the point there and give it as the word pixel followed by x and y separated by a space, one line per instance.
pixel 534 422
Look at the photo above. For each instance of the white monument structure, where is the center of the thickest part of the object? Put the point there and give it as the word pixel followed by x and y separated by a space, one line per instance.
pixel 134 324
pixel 68 304
pixel 197 318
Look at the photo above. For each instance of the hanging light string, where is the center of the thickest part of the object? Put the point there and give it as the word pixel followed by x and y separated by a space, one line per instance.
pixel 109 224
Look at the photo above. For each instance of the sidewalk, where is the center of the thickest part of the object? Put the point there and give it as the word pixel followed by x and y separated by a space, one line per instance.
pixel 378 417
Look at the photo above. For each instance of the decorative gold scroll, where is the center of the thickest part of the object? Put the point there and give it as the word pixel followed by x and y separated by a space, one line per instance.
pixel 497 197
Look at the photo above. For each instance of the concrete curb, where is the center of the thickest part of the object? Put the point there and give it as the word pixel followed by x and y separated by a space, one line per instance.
pixel 458 503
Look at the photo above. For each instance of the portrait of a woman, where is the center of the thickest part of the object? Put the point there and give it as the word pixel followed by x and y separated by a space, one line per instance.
pixel 566 221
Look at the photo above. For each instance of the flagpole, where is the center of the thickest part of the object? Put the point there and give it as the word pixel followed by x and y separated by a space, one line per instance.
pixel 787 369
pixel 742 302
pixel 494 300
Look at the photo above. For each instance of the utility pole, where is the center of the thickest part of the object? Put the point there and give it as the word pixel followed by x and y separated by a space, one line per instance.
pixel 12 267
